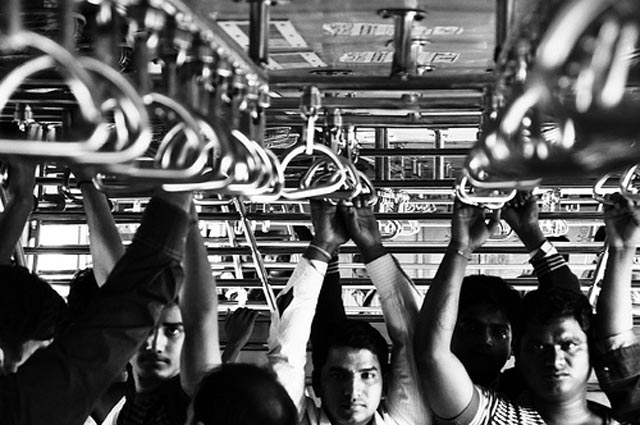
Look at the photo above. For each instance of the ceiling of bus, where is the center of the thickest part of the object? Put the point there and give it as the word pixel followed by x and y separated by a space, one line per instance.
pixel 458 35
pixel 413 136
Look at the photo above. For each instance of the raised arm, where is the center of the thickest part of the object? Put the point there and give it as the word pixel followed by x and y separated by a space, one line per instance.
pixel 617 350
pixel 614 313
pixel 199 308
pixel 296 303
pixel 80 364
pixel 399 300
pixel 19 204
pixel 105 242
pixel 447 387
pixel 238 328
pixel 550 268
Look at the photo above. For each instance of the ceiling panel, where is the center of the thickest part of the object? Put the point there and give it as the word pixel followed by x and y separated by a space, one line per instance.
pixel 459 35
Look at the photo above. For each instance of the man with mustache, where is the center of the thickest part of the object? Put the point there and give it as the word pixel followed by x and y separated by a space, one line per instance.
pixel 558 343
pixel 51 375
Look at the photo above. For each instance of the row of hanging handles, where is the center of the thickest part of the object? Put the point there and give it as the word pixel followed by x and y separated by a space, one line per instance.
pixel 209 100
pixel 568 63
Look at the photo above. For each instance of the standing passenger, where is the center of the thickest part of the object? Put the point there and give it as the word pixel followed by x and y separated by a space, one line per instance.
pixel 553 352
pixel 59 382
pixel 352 375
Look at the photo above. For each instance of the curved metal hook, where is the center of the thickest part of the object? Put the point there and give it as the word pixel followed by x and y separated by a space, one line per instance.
pixel 626 184
pixel 599 193
pixel 493 202
pixel 172 166
pixel 316 191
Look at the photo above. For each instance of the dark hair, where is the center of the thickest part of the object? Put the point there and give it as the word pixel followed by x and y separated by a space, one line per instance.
pixel 545 305
pixel 353 334
pixel 29 308
pixel 495 292
pixel 242 394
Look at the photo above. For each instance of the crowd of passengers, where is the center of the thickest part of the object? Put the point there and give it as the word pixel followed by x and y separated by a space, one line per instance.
pixel 137 341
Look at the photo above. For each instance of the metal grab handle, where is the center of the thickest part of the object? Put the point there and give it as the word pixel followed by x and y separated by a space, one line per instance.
pixel 500 184
pixel 276 181
pixel 268 182
pixel 351 188
pixel 80 81
pixel 253 170
pixel 565 30
pixel 614 86
pixel 127 106
pixel 626 184
pixel 129 112
pixel 368 190
pixel 324 190
pixel 493 202
pixel 172 166
pixel 70 150
pixel 211 179
pixel 599 192
pixel 255 184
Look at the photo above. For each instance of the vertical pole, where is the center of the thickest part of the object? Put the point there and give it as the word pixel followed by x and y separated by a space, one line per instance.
pixel 261 270
pixel 259 17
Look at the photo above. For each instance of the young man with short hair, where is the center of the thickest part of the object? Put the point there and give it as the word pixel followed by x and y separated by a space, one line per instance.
pixel 60 382
pixel 351 373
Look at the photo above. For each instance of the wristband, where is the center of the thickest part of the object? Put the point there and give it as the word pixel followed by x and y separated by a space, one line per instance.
pixel 544 250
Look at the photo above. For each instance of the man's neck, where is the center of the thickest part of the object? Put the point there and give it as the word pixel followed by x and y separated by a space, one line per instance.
pixel 148 384
pixel 571 412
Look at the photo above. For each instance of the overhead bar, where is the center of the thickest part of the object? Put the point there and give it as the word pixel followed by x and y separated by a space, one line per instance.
pixel 433 81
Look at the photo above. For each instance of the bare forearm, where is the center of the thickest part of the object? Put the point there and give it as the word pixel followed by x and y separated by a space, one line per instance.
pixel 231 353
pixel 439 312
pixel 199 307
pixel 614 310
pixel 445 382
pixel 105 242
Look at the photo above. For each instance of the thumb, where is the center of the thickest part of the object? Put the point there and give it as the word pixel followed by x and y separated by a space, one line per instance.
pixel 494 221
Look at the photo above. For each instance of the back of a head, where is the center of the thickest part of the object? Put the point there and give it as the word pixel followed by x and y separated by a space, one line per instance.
pixel 242 394
pixel 494 292
pixel 29 308
pixel 351 333
pixel 543 306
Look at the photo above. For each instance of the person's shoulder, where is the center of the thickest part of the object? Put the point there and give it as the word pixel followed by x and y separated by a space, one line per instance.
pixel 605 413
pixel 501 409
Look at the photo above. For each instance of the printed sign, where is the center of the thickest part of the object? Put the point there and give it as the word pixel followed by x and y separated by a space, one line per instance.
pixel 366 29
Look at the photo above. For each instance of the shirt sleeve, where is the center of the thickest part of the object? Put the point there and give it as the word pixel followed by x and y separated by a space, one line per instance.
pixel 553 271
pixel 291 327
pixel 616 362
pixel 64 380
pixel 399 299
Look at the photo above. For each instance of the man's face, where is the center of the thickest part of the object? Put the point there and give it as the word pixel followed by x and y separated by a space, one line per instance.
pixel 482 342
pixel 12 356
pixel 554 360
pixel 159 357
pixel 350 385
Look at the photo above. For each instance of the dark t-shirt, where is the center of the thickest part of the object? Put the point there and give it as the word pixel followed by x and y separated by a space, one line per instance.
pixel 166 405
